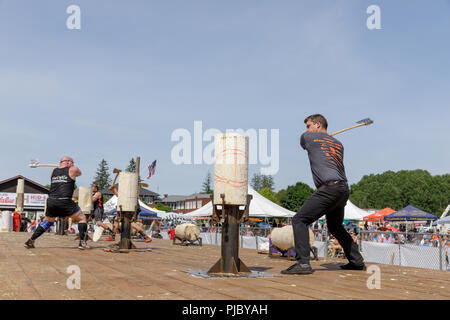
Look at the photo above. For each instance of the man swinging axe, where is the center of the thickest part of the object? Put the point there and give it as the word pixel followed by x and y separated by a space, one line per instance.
pixel 326 157
pixel 60 203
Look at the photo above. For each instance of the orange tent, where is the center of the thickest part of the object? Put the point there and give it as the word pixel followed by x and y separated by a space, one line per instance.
pixel 379 215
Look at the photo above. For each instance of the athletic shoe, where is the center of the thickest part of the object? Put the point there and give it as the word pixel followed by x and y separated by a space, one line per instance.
pixel 110 239
pixel 148 239
pixel 29 244
pixel 298 269
pixel 83 245
pixel 351 266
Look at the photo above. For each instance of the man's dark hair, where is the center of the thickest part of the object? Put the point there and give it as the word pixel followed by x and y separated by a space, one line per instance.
pixel 318 118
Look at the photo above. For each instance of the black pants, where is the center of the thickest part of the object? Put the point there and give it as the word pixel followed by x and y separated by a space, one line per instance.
pixel 329 201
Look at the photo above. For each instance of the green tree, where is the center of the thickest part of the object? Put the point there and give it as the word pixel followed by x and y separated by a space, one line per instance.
pixel 294 196
pixel 102 175
pixel 132 168
pixel 399 189
pixel 163 207
pixel 206 186
pixel 269 194
pixel 261 181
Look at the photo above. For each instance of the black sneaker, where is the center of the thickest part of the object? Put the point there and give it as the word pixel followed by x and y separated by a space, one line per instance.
pixel 298 269
pixel 83 245
pixel 29 244
pixel 351 266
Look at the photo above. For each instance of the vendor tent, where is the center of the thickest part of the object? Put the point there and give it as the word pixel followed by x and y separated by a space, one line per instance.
pixel 143 213
pixel 379 215
pixel 174 216
pixel 111 204
pixel 351 212
pixel 445 220
pixel 260 206
pixel 410 213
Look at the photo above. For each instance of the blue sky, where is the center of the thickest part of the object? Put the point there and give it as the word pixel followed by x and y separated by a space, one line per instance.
pixel 138 70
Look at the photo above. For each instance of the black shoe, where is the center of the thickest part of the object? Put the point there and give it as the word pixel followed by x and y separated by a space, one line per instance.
pixel 83 245
pixel 351 266
pixel 298 269
pixel 29 244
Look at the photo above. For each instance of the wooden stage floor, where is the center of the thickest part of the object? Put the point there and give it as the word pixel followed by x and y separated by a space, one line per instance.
pixel 41 274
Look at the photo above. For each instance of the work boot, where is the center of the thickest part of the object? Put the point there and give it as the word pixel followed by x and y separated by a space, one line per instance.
pixel 298 269
pixel 351 266
pixel 29 244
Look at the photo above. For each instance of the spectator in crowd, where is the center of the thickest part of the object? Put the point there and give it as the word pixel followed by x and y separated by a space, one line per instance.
pixel 435 240
pixel 354 236
pixel 248 233
pixel 24 221
pixel 16 221
pixel 171 232
pixel 388 238
pixel 33 225
pixel 422 240
pixel 335 248
pixel 157 234
pixel 379 238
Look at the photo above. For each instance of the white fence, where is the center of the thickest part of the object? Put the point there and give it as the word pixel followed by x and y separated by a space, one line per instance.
pixel 408 255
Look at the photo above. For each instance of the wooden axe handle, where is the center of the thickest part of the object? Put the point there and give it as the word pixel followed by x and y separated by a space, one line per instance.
pixel 47 165
pixel 346 129
pixel 114 182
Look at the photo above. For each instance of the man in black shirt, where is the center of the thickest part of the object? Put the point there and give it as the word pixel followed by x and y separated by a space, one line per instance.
pixel 326 157
pixel 24 223
pixel 99 213
pixel 60 203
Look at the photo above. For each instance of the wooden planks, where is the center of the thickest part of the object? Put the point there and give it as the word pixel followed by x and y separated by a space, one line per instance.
pixel 41 273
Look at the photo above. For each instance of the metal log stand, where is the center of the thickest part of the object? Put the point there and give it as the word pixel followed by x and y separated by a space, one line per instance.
pixel 125 232
pixel 127 217
pixel 230 216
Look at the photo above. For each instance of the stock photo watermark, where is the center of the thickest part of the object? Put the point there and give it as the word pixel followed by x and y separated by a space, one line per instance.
pixel 74 281
pixel 374 281
pixel 73 22
pixel 190 148
pixel 374 20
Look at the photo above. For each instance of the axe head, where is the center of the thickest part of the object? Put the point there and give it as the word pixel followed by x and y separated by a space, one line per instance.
pixel 117 170
pixel 365 121
pixel 34 163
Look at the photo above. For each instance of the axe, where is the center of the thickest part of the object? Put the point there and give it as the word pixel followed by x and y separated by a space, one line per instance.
pixel 116 171
pixel 363 122
pixel 35 163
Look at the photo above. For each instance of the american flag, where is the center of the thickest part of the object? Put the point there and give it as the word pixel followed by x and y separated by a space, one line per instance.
pixel 151 169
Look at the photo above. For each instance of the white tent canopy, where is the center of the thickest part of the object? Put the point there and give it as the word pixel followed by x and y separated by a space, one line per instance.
pixel 112 203
pixel 445 220
pixel 352 212
pixel 174 216
pixel 260 206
